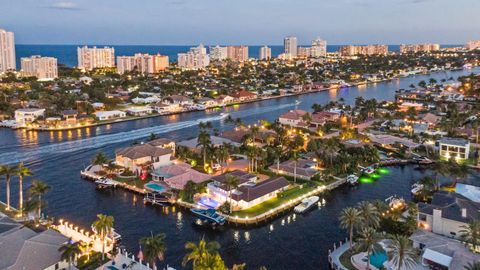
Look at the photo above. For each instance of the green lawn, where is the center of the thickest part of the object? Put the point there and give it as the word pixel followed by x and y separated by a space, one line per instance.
pixel 133 181
pixel 272 203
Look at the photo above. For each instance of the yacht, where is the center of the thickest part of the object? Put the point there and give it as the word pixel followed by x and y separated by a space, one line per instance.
pixel 224 115
pixel 104 183
pixel 352 179
pixel 416 188
pixel 395 202
pixel 209 215
pixel 368 170
pixel 306 204
pixel 297 102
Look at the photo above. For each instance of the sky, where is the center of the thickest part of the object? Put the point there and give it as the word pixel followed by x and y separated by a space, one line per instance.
pixel 249 22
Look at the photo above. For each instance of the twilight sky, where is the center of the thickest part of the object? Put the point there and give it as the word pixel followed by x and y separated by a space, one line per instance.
pixel 251 22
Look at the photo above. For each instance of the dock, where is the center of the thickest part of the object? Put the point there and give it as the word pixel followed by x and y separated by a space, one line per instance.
pixel 89 174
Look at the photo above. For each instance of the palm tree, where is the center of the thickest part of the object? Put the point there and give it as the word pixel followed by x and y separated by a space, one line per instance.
pixel 295 161
pixel 349 219
pixel 154 248
pixel 199 253
pixel 472 266
pixel 369 213
pixel 21 172
pixel 38 188
pixel 86 248
pixel 8 171
pixel 368 242
pixel 69 251
pixel 470 233
pixel 231 181
pixel 103 227
pixel 204 141
pixel 403 255
pixel 100 159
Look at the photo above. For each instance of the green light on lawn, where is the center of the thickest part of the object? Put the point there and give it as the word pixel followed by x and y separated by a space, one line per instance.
pixel 366 180
pixel 383 170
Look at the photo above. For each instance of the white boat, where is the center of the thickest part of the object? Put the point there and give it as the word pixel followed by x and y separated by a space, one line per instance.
pixel 395 202
pixel 352 179
pixel 105 183
pixel 368 170
pixel 113 236
pixel 416 188
pixel 306 204
pixel 224 115
pixel 297 102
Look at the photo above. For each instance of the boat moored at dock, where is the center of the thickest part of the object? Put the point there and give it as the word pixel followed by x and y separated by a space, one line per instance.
pixel 209 215
pixel 306 204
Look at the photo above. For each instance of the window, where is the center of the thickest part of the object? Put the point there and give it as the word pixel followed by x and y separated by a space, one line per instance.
pixel 462 150
pixel 422 217
pixel 444 147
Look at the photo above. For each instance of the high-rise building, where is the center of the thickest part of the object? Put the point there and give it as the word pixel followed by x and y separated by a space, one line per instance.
pixel 265 53
pixel 44 68
pixel 196 58
pixel 304 52
pixel 90 58
pixel 290 46
pixel 414 48
pixel 7 51
pixel 351 50
pixel 319 48
pixel 218 53
pixel 142 63
pixel 237 53
pixel 473 45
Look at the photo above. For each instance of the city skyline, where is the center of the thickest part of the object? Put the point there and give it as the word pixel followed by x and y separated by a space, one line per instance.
pixel 213 22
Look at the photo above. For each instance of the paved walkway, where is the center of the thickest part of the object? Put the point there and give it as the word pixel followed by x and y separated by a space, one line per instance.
pixel 335 255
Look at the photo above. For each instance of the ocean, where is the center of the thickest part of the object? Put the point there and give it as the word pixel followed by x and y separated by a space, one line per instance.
pixel 67 54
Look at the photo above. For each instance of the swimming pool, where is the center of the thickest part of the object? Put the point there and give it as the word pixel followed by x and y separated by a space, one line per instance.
pixel 208 202
pixel 378 258
pixel 155 187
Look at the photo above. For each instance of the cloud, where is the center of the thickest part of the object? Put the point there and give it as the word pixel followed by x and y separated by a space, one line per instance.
pixel 64 6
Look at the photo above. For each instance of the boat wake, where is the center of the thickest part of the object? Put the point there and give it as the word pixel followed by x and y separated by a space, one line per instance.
pixel 102 140
pixel 98 141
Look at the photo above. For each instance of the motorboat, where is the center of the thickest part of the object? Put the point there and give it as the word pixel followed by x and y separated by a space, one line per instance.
pixel 157 198
pixel 306 204
pixel 416 188
pixel 209 215
pixel 352 179
pixel 368 170
pixel 395 202
pixel 224 115
pixel 104 183
pixel 297 102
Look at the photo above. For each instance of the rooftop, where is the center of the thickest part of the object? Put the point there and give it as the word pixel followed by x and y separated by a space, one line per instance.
pixel 454 141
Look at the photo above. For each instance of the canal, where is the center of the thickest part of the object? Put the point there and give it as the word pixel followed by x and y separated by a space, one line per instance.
pixel 289 242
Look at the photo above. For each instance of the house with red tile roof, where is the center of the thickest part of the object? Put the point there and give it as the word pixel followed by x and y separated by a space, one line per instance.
pixel 243 95
pixel 294 118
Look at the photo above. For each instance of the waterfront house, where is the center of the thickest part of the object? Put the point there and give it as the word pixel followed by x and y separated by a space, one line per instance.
pixel 305 169
pixel 219 190
pixel 110 115
pixel 163 108
pixel 238 135
pixel 320 118
pixel 178 99
pixel 98 106
pixel 207 102
pixel 250 190
pixel 294 118
pixel 139 111
pixel 447 213
pixel 177 175
pixel 456 148
pixel 28 115
pixel 25 249
pixel 70 116
pixel 192 144
pixel 439 252
pixel 164 143
pixel 224 100
pixel 243 95
pixel 249 195
pixel 138 157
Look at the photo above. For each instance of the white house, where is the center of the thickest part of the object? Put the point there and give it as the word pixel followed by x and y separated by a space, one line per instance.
pixel 28 115
pixel 139 111
pixel 447 213
pixel 456 148
pixel 163 108
pixel 109 115
pixel 138 157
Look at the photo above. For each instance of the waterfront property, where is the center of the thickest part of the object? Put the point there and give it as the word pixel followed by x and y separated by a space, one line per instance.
pixel 110 115
pixel 177 175
pixel 23 248
pixel 137 158
pixel 447 213
pixel 302 168
pixel 218 189
pixel 28 115
pixel 456 148
pixel 440 252
pixel 294 118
